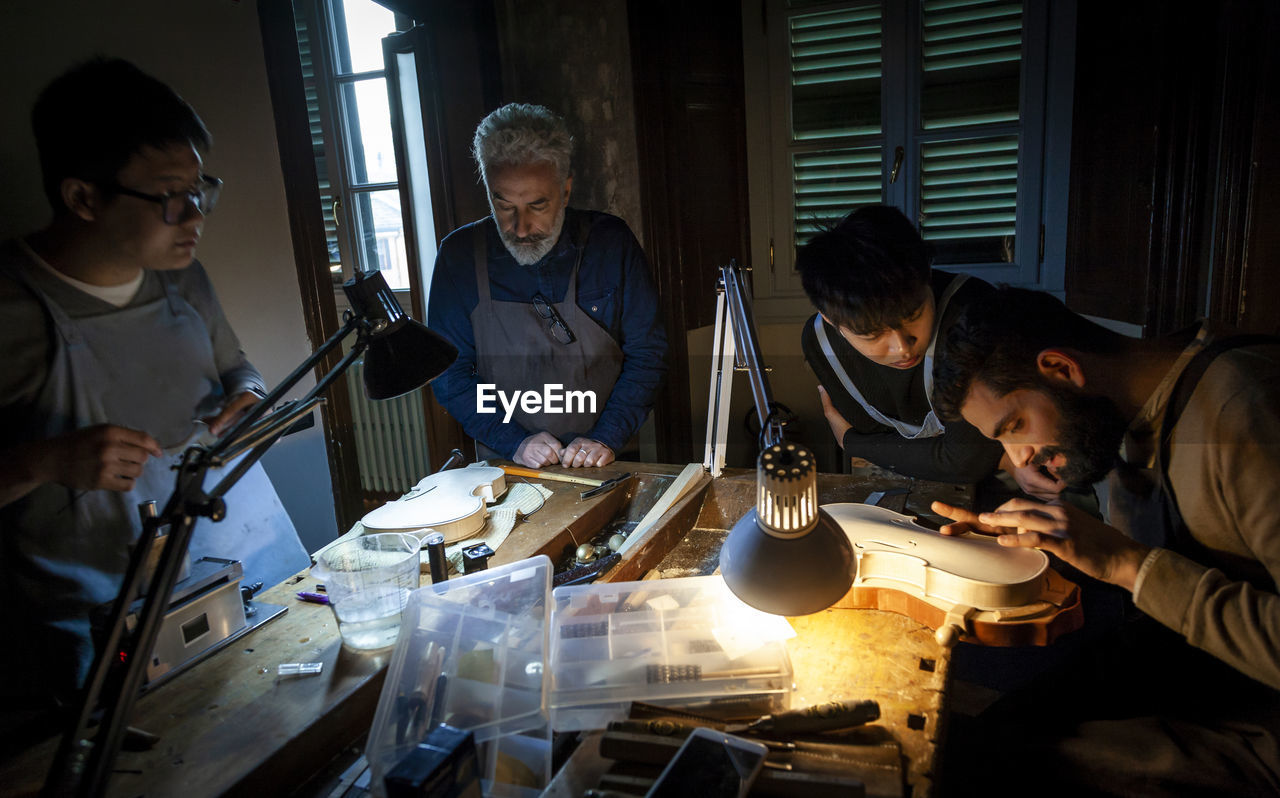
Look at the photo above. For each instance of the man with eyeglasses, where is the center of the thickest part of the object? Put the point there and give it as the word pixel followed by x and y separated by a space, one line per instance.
pixel 543 300
pixel 115 350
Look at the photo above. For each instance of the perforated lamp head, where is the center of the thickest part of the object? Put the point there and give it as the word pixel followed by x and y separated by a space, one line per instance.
pixel 402 354
pixel 787 556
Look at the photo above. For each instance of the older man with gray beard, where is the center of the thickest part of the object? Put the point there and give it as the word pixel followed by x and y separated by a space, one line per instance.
pixel 561 346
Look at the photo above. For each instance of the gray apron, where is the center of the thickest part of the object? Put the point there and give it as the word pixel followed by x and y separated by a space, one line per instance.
pixel 515 349
pixel 931 426
pixel 149 367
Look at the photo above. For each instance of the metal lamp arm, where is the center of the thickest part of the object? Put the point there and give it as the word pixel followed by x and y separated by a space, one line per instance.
pixel 748 351
pixel 83 764
pixel 244 425
pixel 277 424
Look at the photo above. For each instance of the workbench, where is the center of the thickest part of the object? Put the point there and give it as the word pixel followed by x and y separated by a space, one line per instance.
pixel 230 725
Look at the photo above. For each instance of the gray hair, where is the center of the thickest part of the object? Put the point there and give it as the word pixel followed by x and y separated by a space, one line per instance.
pixel 519 133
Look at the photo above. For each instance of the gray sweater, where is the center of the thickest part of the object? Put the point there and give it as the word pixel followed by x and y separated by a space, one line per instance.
pixel 1224 466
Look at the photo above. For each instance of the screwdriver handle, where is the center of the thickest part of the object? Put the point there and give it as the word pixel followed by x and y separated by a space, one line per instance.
pixel 821 717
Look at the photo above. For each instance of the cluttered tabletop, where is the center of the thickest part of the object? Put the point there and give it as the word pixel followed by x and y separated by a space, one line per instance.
pixel 267 713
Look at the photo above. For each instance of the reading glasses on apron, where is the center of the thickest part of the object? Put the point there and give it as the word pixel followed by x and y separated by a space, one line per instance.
pixel 559 330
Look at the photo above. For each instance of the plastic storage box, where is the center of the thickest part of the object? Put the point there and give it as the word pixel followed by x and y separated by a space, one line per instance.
pixel 471 653
pixel 689 642
pixel 485 653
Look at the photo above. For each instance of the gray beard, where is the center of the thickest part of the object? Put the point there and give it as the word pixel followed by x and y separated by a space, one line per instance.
pixel 529 251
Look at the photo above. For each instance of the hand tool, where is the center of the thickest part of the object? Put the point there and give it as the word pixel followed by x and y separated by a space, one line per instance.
pixel 598 486
pixel 583 574
pixel 604 487
pixel 817 718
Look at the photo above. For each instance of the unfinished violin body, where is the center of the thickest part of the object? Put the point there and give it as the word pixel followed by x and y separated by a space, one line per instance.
pixel 450 502
pixel 964 587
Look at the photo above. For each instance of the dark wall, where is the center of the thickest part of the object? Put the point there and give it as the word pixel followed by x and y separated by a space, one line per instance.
pixel 1174 156
pixel 687 60
pixel 579 64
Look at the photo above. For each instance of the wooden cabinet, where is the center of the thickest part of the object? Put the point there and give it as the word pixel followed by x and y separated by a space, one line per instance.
pixel 1174 141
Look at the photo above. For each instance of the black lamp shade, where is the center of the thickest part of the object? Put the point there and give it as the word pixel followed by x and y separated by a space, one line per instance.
pixel 787 556
pixel 791 575
pixel 402 354
pixel 405 359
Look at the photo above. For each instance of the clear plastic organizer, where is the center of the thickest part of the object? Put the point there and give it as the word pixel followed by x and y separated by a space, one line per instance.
pixel 671 641
pixel 471 653
pixel 477 652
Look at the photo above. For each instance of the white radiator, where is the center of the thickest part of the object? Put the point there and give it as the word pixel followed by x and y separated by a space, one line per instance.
pixel 391 437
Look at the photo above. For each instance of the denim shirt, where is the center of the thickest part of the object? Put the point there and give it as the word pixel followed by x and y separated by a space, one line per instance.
pixel 614 289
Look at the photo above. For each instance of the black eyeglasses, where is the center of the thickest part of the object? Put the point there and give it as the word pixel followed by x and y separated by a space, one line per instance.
pixel 559 330
pixel 176 204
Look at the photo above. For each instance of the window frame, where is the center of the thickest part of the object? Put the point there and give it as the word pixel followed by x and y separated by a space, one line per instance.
pixel 1043 142
pixel 336 126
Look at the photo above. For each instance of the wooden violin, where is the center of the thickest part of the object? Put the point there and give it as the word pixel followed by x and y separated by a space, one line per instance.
pixel 966 587
pixel 450 502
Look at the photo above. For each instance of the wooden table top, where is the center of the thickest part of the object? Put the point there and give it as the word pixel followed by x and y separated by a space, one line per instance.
pixel 848 654
pixel 230 725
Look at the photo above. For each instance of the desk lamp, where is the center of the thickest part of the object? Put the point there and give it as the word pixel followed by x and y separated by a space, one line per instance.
pixel 786 556
pixel 400 355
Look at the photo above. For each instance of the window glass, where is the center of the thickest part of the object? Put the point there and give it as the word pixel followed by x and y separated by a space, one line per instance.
pixel 835 73
pixel 364 24
pixel 828 183
pixel 970 66
pixel 307 43
pixel 381 229
pixel 936 107
pixel 970 72
pixel 368 119
pixel 968 199
pixel 350 121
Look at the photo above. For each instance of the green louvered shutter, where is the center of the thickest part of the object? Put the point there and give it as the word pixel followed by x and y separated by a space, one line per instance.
pixel 311 88
pixel 971 58
pixel 939 108
pixel 835 88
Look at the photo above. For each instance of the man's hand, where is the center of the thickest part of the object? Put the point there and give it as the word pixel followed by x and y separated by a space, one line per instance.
pixel 965 521
pixel 105 457
pixel 838 425
pixel 232 412
pixel 586 453
pixel 1033 481
pixel 1076 537
pixel 538 450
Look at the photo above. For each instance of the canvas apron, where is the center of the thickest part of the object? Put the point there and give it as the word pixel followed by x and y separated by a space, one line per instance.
pixel 516 351
pixel 931 426
pixel 149 367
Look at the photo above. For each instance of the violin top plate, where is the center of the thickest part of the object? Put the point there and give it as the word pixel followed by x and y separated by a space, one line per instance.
pixel 975 570
pixel 440 499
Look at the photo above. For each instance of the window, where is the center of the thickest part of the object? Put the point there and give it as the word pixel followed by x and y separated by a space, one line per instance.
pixel 340 44
pixel 936 107
pixel 340 47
